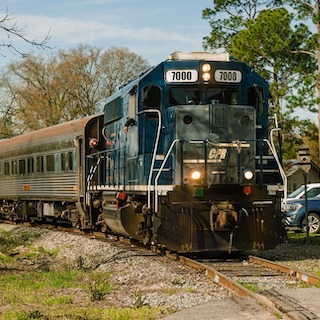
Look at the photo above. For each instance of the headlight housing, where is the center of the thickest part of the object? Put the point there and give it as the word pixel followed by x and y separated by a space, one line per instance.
pixel 206 75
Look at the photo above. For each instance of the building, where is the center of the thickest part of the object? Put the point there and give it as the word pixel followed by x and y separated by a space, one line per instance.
pixel 295 174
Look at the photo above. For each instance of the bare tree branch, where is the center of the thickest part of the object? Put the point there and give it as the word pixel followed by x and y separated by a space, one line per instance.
pixel 11 30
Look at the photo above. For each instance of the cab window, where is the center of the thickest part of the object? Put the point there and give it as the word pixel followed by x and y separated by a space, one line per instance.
pixel 255 99
pixel 151 97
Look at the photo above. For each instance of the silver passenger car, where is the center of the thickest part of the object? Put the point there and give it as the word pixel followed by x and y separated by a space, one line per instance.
pixel 42 173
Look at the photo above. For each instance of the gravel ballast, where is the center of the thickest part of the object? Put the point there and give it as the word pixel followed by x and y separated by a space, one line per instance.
pixel 138 274
pixel 157 280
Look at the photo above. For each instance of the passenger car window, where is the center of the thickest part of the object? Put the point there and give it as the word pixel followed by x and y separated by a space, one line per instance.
pixel 50 163
pixel 63 162
pixel 6 168
pixel 30 165
pixel 70 161
pixel 39 164
pixel 14 167
pixel 22 166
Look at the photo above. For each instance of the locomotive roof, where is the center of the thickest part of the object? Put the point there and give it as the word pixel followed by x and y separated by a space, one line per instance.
pixel 56 132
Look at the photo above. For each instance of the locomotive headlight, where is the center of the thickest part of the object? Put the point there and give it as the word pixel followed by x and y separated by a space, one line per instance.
pixel 206 76
pixel 248 175
pixel 195 175
pixel 205 68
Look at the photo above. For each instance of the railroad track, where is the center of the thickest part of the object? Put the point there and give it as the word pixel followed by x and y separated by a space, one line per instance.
pixel 255 273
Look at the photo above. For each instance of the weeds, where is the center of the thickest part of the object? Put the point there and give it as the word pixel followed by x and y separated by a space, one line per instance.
pixel 140 300
pixel 99 286
pixel 30 292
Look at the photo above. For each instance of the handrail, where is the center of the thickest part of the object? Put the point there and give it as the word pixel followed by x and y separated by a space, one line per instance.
pixel 275 155
pixel 159 173
pixel 154 151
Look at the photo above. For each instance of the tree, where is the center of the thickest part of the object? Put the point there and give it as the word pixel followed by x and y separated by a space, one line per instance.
pixel 235 14
pixel 266 43
pixel 310 10
pixel 267 40
pixel 66 85
pixel 11 30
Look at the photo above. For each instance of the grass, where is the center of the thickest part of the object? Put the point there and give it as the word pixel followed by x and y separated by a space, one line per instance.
pixel 57 291
pixel 299 238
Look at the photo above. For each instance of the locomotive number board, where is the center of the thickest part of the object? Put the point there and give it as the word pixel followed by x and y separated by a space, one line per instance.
pixel 230 76
pixel 182 76
pixel 190 75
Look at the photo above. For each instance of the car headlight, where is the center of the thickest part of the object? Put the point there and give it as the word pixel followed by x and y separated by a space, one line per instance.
pixel 292 217
pixel 294 207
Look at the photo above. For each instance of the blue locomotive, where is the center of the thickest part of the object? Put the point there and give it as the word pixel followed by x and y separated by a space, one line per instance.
pixel 180 158
pixel 188 164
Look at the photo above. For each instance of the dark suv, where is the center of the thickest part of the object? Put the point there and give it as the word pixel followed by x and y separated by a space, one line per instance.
pixel 294 218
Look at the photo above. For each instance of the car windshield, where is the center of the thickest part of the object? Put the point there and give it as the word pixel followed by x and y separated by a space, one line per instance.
pixel 296 192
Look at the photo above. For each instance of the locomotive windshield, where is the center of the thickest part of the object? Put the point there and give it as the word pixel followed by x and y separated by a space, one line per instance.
pixel 195 95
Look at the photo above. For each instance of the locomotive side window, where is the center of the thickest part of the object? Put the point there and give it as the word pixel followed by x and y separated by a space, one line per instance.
pixel 113 111
pixel 151 98
pixel 50 163
pixel 255 99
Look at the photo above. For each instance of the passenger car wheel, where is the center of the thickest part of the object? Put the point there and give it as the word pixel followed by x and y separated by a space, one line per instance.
pixel 314 223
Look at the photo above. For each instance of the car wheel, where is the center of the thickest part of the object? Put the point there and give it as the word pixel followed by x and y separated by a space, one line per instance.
pixel 314 223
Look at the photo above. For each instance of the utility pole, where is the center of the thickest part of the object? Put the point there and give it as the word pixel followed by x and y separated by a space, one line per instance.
pixel 305 165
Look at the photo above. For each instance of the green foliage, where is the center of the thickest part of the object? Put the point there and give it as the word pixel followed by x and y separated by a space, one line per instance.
pixel 299 238
pixel 250 286
pixel 297 132
pixel 234 15
pixel 267 44
pixel 17 237
pixel 99 286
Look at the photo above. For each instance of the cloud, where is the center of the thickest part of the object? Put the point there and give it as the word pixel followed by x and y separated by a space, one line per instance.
pixel 74 31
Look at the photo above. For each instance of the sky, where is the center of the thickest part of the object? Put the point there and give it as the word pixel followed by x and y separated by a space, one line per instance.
pixel 149 28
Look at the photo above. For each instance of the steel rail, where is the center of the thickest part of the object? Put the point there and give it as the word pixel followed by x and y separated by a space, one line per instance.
pixel 233 286
pixel 302 275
